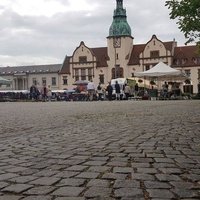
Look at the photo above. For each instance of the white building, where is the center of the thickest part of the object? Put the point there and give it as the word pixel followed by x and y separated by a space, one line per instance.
pixel 121 58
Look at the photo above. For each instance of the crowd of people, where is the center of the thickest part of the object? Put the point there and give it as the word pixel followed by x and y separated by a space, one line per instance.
pixel 113 91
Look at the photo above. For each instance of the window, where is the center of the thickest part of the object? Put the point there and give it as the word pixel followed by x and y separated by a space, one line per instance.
pixel 53 81
pixel 117 56
pixel 154 54
pixel 89 74
pixel 101 78
pixel 187 72
pixel 117 72
pixel 44 81
pixel 65 81
pixel 199 75
pixel 34 81
pixel 147 67
pixel 76 78
pixel 83 74
pixel 82 59
pixel 76 72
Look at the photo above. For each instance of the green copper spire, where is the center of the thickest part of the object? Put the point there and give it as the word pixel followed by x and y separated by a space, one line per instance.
pixel 120 26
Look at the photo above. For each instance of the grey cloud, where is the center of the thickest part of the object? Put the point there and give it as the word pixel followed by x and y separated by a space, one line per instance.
pixel 60 34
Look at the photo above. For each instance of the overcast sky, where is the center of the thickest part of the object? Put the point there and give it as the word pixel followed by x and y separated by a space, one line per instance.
pixel 45 31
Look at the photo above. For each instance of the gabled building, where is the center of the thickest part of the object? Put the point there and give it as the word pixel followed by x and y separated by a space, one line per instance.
pixel 120 58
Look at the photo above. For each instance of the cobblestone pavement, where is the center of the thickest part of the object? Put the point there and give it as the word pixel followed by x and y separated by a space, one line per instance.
pixel 120 150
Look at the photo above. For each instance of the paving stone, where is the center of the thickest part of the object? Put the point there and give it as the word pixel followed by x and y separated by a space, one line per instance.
pixel 70 198
pixel 98 192
pixel 23 179
pixel 40 190
pixel 95 163
pixel 122 170
pixel 147 170
pixel 186 193
pixel 156 185
pixel 45 181
pixel 112 176
pixel 77 168
pixel 66 174
pixel 7 176
pixel 38 198
pixel 10 197
pixel 167 177
pixel 68 191
pixel 126 184
pixel 89 175
pixel 170 170
pixel 128 192
pixel 71 182
pixel 139 176
pixel 3 184
pixel 98 183
pixel 160 193
pixel 17 188
pixel 99 169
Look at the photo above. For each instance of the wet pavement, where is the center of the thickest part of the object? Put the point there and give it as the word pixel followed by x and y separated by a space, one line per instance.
pixel 120 150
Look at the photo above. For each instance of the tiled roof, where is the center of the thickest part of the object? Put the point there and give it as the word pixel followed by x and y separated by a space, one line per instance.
pixel 137 49
pixel 101 55
pixel 53 68
pixel 65 66
pixel 186 56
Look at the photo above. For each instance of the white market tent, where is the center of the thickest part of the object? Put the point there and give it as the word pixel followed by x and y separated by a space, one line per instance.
pixel 161 70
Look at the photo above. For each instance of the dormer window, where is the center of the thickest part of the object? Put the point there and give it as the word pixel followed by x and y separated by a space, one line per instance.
pixel 82 59
pixel 154 54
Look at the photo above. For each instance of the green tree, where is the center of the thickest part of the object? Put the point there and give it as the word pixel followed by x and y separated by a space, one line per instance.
pixel 187 12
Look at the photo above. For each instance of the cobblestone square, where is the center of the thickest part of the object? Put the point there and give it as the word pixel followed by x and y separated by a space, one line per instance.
pixel 100 150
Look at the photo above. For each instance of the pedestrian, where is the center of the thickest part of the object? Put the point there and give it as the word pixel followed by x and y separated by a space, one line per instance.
pixel 91 90
pixel 127 91
pixel 99 92
pixel 109 89
pixel 136 89
pixel 117 90
pixel 33 92
pixel 49 93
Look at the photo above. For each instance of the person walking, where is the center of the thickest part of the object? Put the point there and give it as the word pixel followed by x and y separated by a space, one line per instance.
pixel 127 91
pixel 99 92
pixel 109 89
pixel 91 90
pixel 117 90
pixel 136 89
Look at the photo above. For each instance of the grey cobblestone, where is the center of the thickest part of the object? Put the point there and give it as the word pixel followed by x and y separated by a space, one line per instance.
pixel 120 150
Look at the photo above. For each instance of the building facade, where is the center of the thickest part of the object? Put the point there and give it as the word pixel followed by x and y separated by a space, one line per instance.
pixel 121 58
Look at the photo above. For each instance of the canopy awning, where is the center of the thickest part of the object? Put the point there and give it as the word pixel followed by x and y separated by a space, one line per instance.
pixel 160 70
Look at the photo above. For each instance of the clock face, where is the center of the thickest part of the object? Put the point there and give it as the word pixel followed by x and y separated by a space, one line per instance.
pixel 117 42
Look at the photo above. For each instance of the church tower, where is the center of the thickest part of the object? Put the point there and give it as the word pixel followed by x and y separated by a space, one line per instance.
pixel 119 42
